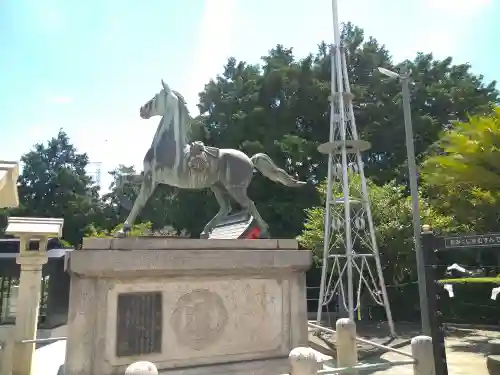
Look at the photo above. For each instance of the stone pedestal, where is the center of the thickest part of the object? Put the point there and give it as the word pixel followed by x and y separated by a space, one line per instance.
pixel 188 306
pixel 9 173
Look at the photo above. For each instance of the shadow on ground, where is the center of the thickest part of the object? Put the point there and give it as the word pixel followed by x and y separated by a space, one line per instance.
pixel 460 341
pixel 469 340
pixel 377 332
pixel 454 332
pixel 478 345
pixel 375 360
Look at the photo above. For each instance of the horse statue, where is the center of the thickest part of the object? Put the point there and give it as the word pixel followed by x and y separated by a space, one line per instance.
pixel 177 160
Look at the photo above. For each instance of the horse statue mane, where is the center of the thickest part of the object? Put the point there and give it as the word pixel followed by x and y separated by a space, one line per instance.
pixel 180 97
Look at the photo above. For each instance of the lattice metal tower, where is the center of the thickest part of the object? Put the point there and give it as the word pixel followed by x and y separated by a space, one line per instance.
pixel 350 247
pixel 97 165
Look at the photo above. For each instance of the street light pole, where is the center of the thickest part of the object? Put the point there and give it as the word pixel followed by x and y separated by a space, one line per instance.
pixel 412 176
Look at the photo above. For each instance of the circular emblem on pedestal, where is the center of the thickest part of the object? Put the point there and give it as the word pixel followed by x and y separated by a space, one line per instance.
pixel 199 318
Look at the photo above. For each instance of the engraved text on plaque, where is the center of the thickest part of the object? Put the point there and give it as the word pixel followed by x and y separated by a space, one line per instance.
pixel 138 323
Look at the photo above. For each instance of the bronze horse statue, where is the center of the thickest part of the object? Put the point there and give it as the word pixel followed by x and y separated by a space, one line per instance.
pixel 177 160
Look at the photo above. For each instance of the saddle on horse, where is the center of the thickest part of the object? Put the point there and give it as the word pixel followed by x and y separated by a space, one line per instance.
pixel 198 156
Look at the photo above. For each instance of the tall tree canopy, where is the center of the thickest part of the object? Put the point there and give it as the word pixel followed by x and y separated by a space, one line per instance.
pixel 281 107
pixel 54 183
pixel 464 168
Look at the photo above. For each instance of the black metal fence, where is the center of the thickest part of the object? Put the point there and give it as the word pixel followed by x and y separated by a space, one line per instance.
pixel 470 305
pixel 8 299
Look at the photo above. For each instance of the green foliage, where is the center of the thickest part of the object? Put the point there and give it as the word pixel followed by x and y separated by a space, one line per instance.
pixel 54 183
pixel 468 154
pixel 141 229
pixel 281 107
pixel 464 168
pixel 392 217
pixel 470 280
pixel 65 244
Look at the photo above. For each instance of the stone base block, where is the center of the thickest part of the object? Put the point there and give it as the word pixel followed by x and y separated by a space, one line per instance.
pixel 276 366
pixel 186 305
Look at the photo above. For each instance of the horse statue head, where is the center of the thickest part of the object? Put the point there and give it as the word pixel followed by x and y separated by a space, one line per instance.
pixel 172 107
pixel 163 103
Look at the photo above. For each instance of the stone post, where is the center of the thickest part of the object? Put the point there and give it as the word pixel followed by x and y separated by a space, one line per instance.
pixel 9 197
pixel 28 303
pixel 6 354
pixel 347 352
pixel 422 352
pixel 303 361
pixel 141 368
pixel 9 173
pixel 30 280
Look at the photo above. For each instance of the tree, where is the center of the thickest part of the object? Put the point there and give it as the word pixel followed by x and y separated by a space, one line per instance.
pixel 441 93
pixel 54 183
pixel 281 107
pixel 464 168
pixel 462 178
pixel 393 221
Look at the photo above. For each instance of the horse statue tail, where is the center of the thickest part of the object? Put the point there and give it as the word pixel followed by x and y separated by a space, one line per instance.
pixel 265 165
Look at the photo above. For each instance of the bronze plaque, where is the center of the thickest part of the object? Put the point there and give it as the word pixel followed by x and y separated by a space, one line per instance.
pixel 138 324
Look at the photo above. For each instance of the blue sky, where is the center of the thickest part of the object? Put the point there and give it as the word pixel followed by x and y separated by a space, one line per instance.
pixel 87 66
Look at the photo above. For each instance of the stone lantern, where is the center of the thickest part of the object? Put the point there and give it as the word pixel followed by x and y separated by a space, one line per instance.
pixel 29 230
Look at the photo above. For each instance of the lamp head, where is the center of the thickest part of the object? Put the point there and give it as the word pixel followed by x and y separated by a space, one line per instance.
pixel 388 73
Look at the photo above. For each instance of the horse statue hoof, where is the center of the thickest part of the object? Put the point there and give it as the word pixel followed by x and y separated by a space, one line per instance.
pixel 122 233
pixel 265 234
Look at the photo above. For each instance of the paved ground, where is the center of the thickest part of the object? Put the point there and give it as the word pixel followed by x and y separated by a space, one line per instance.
pixel 376 332
pixel 49 358
pixel 466 349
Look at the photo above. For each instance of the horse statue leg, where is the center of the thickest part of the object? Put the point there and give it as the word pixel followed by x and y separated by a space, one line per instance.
pixel 239 194
pixel 147 188
pixel 223 199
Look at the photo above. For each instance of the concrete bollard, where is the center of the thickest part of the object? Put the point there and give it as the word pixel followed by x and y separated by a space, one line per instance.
pixel 303 361
pixel 141 368
pixel 421 350
pixel 347 351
